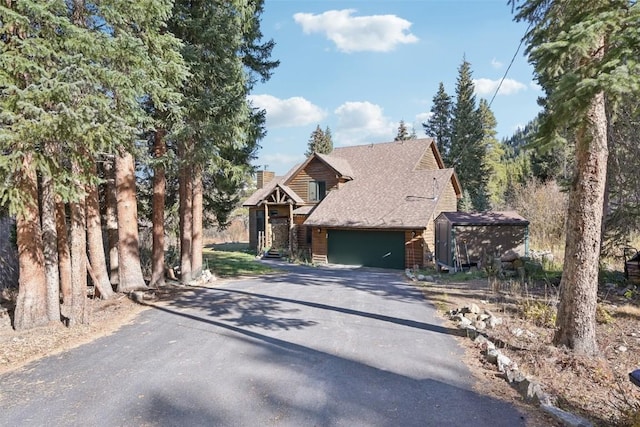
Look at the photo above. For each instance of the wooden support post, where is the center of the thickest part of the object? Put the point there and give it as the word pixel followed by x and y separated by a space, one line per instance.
pixel 291 228
pixel 266 226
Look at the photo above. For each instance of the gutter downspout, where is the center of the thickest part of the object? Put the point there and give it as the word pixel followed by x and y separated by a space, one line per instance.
pixel 453 249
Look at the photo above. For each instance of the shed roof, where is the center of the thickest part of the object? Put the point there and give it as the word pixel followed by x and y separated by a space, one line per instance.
pixel 484 218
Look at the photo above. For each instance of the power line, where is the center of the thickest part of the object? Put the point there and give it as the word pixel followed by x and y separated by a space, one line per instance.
pixel 508 68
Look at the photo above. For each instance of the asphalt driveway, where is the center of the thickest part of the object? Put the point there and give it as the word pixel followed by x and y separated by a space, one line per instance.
pixel 311 347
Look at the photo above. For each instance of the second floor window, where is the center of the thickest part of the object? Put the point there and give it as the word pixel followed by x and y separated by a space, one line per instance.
pixel 317 190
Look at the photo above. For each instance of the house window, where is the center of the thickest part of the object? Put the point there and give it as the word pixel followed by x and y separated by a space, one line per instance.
pixel 260 221
pixel 317 190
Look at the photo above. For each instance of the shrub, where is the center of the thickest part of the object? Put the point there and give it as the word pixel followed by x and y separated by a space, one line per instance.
pixel 539 312
pixel 545 206
pixel 603 316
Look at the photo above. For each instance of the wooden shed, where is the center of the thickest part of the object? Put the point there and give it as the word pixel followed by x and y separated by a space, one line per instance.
pixel 632 267
pixel 467 239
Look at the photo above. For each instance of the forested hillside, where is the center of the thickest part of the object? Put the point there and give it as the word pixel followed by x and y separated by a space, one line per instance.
pixel 519 172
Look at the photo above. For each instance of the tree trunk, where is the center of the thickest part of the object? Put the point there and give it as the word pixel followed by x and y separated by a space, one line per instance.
pixel 159 195
pixel 64 258
pixel 97 261
pixel 78 313
pixel 197 209
pixel 50 248
pixel 129 269
pixel 576 321
pixel 185 213
pixel 31 305
pixel 606 208
pixel 111 215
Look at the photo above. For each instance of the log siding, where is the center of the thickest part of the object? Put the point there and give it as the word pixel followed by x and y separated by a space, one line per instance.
pixel 316 170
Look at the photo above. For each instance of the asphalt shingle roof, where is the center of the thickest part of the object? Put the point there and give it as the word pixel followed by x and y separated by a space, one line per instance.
pixel 339 164
pixel 485 218
pixel 387 191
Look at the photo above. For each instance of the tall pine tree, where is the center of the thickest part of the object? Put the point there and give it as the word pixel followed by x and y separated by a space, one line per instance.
pixel 467 152
pixel 89 65
pixel 225 54
pixel 438 126
pixel 583 53
pixel 495 166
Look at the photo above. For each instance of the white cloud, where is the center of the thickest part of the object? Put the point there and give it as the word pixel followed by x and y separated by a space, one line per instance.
pixel 423 117
pixel 362 122
pixel 376 33
pixel 418 122
pixel 290 112
pixel 535 86
pixel 488 86
pixel 496 64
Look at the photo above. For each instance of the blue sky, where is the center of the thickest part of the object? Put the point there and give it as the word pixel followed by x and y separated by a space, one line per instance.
pixel 359 67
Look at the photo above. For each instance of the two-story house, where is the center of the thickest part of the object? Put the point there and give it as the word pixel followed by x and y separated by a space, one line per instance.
pixel 372 205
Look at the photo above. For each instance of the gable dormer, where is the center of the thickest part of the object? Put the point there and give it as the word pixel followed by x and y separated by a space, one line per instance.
pixel 317 176
pixel 431 158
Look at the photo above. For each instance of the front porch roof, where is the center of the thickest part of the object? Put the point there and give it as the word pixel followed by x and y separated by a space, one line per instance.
pixel 281 194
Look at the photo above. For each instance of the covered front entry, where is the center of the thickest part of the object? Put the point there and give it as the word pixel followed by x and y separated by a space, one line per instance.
pixel 384 249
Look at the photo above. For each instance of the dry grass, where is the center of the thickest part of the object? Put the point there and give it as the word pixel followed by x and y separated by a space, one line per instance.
pixel 596 388
pixel 19 348
pixel 628 310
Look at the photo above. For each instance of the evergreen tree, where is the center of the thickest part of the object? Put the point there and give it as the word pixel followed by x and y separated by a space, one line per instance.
pixel 84 80
pixel 543 163
pixel 495 163
pixel 403 132
pixel 78 69
pixel 438 126
pixel 466 203
pixel 156 82
pixel 551 163
pixel 583 53
pixel 467 152
pixel 328 141
pixel 43 70
pixel 224 52
pixel 319 142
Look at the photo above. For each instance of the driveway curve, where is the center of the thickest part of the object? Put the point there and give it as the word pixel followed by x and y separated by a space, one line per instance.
pixel 309 347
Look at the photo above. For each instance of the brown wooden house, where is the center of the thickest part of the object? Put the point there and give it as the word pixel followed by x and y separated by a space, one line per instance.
pixel 372 205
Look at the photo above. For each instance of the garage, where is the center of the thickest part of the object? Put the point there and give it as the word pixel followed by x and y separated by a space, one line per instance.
pixel 383 249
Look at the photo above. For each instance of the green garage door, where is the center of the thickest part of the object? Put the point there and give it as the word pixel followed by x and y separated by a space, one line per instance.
pixel 383 249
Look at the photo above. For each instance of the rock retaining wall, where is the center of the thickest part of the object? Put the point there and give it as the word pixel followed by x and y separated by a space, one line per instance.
pixel 474 321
